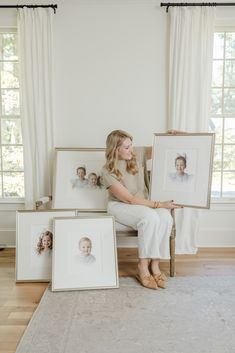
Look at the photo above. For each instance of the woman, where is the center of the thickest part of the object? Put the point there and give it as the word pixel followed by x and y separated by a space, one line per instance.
pixel 125 177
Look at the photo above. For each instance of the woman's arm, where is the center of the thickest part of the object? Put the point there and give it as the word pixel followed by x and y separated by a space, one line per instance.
pixel 175 132
pixel 122 194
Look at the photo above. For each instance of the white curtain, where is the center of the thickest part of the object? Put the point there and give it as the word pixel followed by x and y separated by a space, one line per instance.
pixel 35 58
pixel 191 50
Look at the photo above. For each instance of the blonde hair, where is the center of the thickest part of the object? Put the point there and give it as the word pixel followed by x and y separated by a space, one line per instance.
pixel 92 174
pixel 40 247
pixel 84 239
pixel 113 142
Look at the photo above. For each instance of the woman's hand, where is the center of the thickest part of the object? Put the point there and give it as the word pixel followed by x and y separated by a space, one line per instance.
pixel 168 204
pixel 175 132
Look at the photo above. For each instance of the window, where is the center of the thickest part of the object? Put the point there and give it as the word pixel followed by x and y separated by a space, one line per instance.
pixel 11 148
pixel 222 120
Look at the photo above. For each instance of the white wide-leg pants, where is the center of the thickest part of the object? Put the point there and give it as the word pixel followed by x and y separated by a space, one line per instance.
pixel 153 226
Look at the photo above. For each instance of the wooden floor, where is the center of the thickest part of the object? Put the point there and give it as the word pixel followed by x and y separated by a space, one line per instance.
pixel 18 301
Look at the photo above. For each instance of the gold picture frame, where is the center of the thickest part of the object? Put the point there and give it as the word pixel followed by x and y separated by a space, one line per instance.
pixel 182 168
pixel 34 243
pixel 77 179
pixel 84 253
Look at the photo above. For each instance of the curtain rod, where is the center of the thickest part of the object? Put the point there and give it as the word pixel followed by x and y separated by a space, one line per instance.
pixel 169 4
pixel 54 7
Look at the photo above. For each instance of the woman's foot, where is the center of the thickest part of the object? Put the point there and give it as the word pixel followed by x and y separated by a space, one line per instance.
pixel 159 277
pixel 144 276
pixel 147 281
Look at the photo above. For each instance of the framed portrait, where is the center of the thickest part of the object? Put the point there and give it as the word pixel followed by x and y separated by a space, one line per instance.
pixel 182 168
pixel 34 243
pixel 84 253
pixel 77 179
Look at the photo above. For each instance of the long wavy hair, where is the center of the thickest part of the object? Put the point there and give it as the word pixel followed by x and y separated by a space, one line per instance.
pixel 40 247
pixel 113 143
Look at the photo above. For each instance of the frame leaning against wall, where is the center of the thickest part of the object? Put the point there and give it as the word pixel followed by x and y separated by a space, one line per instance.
pixel 87 245
pixel 34 243
pixel 77 179
pixel 182 168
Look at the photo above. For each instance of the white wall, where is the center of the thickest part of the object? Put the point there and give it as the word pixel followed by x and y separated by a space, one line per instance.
pixel 110 71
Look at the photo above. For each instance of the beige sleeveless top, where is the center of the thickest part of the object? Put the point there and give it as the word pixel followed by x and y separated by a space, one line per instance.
pixel 137 184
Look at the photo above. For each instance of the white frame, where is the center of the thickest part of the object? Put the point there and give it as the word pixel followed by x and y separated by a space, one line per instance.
pixel 31 224
pixel 68 194
pixel 70 269
pixel 193 189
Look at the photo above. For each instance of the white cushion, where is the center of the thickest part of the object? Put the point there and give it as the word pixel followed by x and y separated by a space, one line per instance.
pixel 121 228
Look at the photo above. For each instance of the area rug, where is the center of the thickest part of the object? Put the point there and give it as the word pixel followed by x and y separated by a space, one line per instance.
pixel 194 314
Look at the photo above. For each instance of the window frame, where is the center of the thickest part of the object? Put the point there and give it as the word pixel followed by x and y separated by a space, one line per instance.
pixel 12 200
pixel 228 202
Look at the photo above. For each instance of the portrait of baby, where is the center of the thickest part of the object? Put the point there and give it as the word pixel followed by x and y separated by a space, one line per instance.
pixel 84 248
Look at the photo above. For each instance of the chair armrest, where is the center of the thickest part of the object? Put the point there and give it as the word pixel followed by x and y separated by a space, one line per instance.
pixel 148 152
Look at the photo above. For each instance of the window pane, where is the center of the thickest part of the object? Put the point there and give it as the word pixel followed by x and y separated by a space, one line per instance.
pixel 222 120
pixel 230 45
pixel 229 159
pixel 216 184
pixel 229 100
pixel 12 158
pixel 9 75
pixel 229 74
pixel 217 76
pixel 10 102
pixel 229 130
pixel 9 46
pixel 229 184
pixel 11 131
pixel 13 185
pixel 216 126
pixel 217 163
pixel 218 45
pixel 216 101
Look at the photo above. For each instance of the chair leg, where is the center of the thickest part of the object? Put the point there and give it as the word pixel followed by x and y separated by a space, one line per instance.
pixel 172 246
pixel 172 256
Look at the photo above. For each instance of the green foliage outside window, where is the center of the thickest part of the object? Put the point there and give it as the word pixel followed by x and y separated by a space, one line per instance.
pixel 222 120
pixel 11 149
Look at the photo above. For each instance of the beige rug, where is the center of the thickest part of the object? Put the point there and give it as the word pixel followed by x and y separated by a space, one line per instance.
pixel 194 314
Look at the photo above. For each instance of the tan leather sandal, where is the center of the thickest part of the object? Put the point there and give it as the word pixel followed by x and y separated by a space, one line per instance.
pixel 160 279
pixel 147 281
pixel 163 276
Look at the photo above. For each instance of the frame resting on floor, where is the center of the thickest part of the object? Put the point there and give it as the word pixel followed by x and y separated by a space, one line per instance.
pixel 127 231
